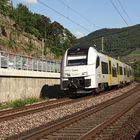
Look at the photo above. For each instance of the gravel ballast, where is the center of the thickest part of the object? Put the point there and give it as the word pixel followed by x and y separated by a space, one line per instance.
pixel 21 124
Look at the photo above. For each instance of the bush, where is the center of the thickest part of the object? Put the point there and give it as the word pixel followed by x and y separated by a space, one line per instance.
pixel 18 103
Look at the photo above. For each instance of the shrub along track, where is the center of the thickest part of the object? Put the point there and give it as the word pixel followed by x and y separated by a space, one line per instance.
pixel 92 123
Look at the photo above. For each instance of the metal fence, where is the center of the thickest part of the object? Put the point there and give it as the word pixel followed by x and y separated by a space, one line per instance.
pixel 14 61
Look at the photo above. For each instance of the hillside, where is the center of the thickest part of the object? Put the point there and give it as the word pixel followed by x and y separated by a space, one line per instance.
pixel 17 41
pixel 117 42
pixel 123 43
pixel 27 33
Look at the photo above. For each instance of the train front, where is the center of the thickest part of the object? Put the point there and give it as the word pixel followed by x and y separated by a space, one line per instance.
pixel 78 70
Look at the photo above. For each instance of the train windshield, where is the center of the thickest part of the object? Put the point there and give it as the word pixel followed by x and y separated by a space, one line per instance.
pixel 77 56
pixel 75 62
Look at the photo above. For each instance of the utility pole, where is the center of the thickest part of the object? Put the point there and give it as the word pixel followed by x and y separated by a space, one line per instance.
pixel 102 44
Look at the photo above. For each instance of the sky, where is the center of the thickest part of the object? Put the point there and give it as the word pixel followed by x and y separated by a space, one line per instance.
pixel 82 17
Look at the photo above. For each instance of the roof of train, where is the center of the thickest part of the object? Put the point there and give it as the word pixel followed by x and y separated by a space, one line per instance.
pixel 85 48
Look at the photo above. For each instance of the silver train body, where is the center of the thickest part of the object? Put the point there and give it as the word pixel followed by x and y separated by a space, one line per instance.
pixel 83 70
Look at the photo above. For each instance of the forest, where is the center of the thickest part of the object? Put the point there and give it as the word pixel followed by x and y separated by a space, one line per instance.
pixel 117 42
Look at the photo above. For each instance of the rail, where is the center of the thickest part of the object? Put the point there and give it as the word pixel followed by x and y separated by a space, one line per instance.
pixel 78 125
pixel 19 62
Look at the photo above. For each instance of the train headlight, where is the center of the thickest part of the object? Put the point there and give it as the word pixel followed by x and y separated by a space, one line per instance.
pixel 67 74
pixel 84 73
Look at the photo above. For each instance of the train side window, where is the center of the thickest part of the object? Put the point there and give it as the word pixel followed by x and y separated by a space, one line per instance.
pixel 114 72
pixel 97 62
pixel 104 68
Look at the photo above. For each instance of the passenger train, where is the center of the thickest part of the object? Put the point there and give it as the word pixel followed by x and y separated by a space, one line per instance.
pixel 84 70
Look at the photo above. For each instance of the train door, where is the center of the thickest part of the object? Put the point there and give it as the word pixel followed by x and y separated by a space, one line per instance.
pixel 118 74
pixel 98 71
pixel 110 73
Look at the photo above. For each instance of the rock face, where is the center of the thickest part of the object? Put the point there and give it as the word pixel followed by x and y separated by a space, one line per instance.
pixel 12 39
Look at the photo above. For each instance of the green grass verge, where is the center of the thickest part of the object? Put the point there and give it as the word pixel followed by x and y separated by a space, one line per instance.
pixel 137 51
pixel 19 103
pixel 137 79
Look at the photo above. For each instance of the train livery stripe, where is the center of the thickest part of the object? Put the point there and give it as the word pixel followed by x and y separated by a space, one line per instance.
pixel 110 71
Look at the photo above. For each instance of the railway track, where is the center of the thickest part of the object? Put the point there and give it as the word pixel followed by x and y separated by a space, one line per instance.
pixel 33 108
pixel 87 124
pixel 7 114
pixel 12 113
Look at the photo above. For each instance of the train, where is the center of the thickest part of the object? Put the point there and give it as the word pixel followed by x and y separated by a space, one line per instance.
pixel 85 70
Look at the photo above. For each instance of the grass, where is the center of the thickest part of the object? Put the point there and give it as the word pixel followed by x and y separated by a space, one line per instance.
pixel 136 52
pixel 19 103
pixel 2 42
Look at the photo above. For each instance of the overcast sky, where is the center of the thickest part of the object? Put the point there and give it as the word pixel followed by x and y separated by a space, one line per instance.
pixel 84 16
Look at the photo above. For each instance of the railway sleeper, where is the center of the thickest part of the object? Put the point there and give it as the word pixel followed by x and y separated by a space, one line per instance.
pixel 74 130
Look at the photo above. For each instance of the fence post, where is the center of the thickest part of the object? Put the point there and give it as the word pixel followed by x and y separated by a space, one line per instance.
pixel 40 64
pixel 27 62
pixel 21 62
pixel 14 61
pixel 7 56
pixel 32 64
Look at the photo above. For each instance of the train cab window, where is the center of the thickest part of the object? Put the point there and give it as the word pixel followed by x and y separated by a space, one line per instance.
pixel 76 62
pixel 97 62
pixel 77 56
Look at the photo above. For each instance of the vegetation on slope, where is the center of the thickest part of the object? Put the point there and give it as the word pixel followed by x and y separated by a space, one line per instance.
pixel 56 37
pixel 117 42
pixel 136 67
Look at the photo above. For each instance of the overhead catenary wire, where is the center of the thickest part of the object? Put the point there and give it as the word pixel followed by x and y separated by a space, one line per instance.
pixel 124 10
pixel 59 13
pixel 79 14
pixel 39 1
pixel 118 12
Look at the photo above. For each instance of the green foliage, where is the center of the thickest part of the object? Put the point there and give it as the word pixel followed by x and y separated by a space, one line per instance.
pixel 4 9
pixel 2 42
pixel 40 26
pixel 18 103
pixel 30 46
pixel 136 67
pixel 136 52
pixel 33 31
pixel 117 42
pixel 10 43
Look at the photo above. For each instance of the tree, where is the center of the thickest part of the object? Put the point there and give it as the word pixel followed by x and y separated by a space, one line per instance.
pixel 4 9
